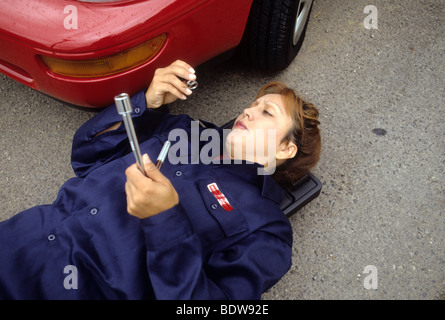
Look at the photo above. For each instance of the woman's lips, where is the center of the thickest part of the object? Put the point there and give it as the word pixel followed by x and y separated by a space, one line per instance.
pixel 240 125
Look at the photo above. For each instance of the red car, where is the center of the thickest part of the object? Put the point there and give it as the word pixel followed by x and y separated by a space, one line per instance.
pixel 85 52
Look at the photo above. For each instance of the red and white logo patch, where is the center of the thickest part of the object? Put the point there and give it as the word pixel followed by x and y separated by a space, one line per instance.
pixel 222 200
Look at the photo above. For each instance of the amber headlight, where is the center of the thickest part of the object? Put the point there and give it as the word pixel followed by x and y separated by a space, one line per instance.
pixel 106 66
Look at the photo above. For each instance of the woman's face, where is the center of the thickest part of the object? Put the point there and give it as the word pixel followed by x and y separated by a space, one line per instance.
pixel 257 133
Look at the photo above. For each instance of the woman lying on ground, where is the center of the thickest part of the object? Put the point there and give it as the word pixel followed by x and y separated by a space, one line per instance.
pixel 188 231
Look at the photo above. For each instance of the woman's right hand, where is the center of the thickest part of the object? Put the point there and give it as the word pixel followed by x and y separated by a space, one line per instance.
pixel 166 87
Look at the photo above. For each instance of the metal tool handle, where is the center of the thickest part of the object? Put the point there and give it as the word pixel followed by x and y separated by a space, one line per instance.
pixel 163 154
pixel 123 106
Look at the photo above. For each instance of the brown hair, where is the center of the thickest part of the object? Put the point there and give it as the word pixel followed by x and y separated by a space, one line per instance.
pixel 304 133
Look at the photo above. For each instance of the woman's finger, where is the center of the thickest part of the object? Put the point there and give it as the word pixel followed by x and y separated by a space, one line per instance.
pixel 183 71
pixel 184 65
pixel 178 84
pixel 173 90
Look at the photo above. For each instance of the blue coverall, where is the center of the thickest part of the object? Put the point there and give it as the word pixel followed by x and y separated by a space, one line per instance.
pixel 195 250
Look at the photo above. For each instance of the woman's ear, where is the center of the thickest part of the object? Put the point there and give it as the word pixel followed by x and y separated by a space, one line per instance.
pixel 287 150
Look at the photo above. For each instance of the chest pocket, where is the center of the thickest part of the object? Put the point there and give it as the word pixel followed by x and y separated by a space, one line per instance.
pixel 221 205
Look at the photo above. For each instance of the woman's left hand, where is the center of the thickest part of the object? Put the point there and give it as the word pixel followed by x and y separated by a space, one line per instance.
pixel 151 194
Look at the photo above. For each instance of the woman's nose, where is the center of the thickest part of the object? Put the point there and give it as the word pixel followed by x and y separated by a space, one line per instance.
pixel 248 113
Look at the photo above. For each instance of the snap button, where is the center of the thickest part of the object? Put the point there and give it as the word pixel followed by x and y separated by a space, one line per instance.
pixel 51 237
pixel 214 206
pixel 178 173
pixel 137 110
pixel 93 211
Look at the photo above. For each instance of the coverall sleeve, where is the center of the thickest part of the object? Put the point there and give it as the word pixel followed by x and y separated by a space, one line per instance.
pixel 90 151
pixel 244 270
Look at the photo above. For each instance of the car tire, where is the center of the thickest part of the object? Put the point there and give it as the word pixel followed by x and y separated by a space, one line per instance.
pixel 275 31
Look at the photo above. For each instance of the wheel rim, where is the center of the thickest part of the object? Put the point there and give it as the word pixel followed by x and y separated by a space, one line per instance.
pixel 304 7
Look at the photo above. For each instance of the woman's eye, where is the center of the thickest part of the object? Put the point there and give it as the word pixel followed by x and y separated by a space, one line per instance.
pixel 267 113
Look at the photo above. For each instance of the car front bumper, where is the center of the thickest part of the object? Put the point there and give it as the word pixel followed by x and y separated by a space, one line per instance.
pixel 196 32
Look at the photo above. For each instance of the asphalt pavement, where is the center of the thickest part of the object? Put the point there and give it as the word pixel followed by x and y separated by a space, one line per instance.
pixel 377 230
